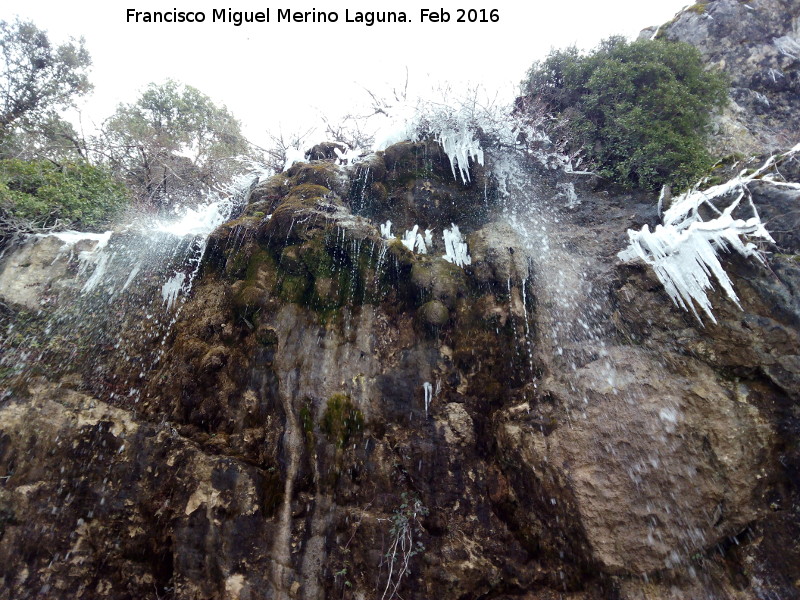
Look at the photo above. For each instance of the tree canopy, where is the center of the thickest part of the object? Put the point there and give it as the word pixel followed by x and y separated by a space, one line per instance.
pixel 641 109
pixel 172 138
pixel 35 76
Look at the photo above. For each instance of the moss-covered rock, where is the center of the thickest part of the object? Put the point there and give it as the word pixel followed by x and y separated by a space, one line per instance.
pixel 367 188
pixel 324 174
pixel 434 314
pixel 325 151
pixel 290 260
pixel 268 193
pixel 437 279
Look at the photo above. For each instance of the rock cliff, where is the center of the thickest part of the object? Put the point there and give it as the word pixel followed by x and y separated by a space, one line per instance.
pixel 337 416
pixel 758 44
pixel 303 406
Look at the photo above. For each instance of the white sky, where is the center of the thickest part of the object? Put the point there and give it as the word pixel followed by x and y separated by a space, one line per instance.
pixel 283 75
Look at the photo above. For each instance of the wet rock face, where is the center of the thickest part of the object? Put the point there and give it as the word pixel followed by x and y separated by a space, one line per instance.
pixel 334 416
pixel 757 44
pixel 654 458
pixel 113 506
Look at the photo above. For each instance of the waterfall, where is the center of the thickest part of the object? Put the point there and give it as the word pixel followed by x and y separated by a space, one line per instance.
pixel 487 399
pixel 133 278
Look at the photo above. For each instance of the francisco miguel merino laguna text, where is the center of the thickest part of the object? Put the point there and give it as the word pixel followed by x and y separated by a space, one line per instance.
pixel 284 15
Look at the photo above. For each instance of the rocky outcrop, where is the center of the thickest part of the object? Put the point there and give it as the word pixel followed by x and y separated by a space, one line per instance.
pixel 758 44
pixel 329 414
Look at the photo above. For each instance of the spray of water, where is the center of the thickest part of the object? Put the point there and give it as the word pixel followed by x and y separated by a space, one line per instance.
pixel 134 278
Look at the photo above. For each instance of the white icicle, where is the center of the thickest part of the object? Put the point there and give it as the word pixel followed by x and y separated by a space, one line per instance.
pixel 171 289
pixel 427 388
pixel 455 247
pixel 684 250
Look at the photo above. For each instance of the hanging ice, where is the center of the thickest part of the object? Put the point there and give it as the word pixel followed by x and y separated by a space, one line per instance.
pixel 96 258
pixel 134 272
pixel 349 156
pixel 567 190
pixel 414 241
pixel 70 238
pixel 201 220
pixel 684 250
pixel 427 388
pixel 684 260
pixel 294 155
pixel 455 247
pixel 460 146
pixel 386 230
pixel 101 265
pixel 171 289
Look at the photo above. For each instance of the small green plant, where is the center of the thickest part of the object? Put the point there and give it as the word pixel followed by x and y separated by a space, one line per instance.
pixel 307 423
pixel 343 574
pixel 341 420
pixel 699 8
pixel 404 534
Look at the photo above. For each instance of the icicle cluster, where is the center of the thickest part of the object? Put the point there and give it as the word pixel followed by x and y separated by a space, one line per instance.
pixel 173 287
pixel 455 247
pixel 455 124
pixel 460 146
pixel 414 241
pixel 427 388
pixel 684 250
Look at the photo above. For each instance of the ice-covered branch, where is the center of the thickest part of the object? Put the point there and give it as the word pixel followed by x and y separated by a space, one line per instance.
pixel 684 250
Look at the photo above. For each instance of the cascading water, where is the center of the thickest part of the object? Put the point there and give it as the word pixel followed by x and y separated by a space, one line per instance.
pixel 322 383
pixel 104 284
pixel 597 378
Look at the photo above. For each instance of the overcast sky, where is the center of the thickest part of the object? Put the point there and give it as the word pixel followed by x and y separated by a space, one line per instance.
pixel 282 75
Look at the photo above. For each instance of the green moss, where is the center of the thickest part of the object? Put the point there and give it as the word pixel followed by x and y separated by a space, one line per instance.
pixel 247 299
pixel 259 262
pixel 307 191
pixel 316 173
pixel 410 161
pixel 256 269
pixel 437 279
pixel 293 288
pixel 699 8
pixel 317 257
pixel 341 420
pixel 236 265
pixel 290 261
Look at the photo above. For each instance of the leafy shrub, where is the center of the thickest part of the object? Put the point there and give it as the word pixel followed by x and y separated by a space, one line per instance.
pixel 641 109
pixel 40 194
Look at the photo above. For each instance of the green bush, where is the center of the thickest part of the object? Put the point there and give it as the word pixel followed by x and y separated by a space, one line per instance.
pixel 641 110
pixel 39 194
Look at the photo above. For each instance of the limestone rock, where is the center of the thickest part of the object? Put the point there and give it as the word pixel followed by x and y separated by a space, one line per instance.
pixel 758 45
